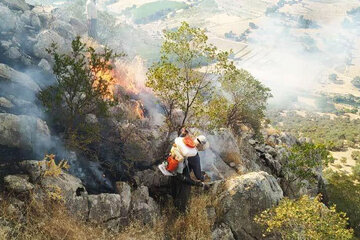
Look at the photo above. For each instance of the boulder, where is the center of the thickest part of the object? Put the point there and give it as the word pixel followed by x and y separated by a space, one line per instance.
pixel 270 150
pixel 64 29
pixel 18 184
pixel 78 26
pixel 13 53
pixel 26 17
pixel 8 19
pixel 143 207
pixel 8 74
pixel 33 168
pixel 45 65
pixel 72 192
pixel 288 139
pixel 243 197
pixel 16 4
pixel 24 132
pixel 124 190
pixel 44 41
pixel 222 232
pixel 105 207
pixel 5 103
pixel 151 178
pixel 35 21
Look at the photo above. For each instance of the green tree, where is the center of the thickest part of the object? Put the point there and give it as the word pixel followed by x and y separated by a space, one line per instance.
pixel 242 102
pixel 344 191
pixel 303 162
pixel 182 79
pixel 305 218
pixel 80 89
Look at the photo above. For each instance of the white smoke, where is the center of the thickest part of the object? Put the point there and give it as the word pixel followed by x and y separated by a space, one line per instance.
pixel 289 58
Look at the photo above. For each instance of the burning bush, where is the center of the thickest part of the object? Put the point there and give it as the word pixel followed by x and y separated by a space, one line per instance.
pixel 83 86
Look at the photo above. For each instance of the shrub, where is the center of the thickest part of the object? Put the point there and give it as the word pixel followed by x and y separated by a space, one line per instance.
pixel 321 129
pixel 53 169
pixel 355 155
pixel 83 86
pixel 344 191
pixel 304 160
pixel 304 219
pixel 244 104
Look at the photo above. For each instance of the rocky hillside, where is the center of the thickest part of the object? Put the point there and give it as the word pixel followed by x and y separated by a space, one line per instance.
pixel 247 174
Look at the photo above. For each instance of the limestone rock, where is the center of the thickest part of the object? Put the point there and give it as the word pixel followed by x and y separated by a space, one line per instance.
pixel 45 65
pixel 18 184
pixel 105 207
pixel 72 191
pixel 5 103
pixel 143 207
pixel 288 139
pixel 222 232
pixel 10 75
pixel 78 26
pixel 44 41
pixel 35 21
pixel 64 29
pixel 16 4
pixel 24 132
pixel 151 178
pixel 8 19
pixel 13 53
pixel 124 190
pixel 243 198
pixel 33 168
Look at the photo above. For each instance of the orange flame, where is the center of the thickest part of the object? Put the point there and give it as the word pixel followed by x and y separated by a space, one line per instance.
pixel 107 76
pixel 139 110
pixel 129 76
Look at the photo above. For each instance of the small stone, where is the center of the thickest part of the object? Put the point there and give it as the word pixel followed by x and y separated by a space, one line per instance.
pixel 13 53
pixel 18 183
pixel 232 164
pixel 91 118
pixel 45 65
pixel 35 21
pixel 252 141
pixel 4 103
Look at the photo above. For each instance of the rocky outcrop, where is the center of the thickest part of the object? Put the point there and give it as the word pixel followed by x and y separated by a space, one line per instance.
pixel 243 197
pixel 112 210
pixel 222 232
pixel 24 132
pixel 7 74
pixel 44 41
pixel 143 207
pixel 18 184
pixel 16 4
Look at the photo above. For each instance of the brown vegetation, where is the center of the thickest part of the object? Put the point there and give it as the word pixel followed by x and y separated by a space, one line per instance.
pixel 51 220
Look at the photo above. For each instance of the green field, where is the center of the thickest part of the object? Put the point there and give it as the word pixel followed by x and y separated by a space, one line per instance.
pixel 155 10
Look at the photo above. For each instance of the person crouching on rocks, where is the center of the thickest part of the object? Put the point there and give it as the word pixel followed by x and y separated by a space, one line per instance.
pixel 184 159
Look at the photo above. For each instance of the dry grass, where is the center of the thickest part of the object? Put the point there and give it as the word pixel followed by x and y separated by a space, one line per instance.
pixel 195 224
pixel 51 220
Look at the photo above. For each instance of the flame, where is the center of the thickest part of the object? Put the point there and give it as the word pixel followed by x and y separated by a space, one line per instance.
pixel 139 110
pixel 130 76
pixel 107 76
